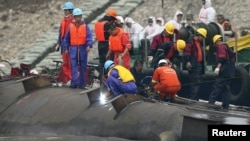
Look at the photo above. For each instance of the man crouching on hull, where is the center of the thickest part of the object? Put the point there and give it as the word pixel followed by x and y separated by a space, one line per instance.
pixel 165 81
pixel 119 79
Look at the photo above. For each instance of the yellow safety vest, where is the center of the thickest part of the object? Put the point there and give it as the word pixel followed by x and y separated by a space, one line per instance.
pixel 125 74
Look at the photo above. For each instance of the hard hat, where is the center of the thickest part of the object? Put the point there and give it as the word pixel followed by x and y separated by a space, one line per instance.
pixel 111 12
pixel 68 5
pixel 163 61
pixel 180 45
pixel 77 12
pixel 108 64
pixel 216 37
pixel 169 28
pixel 120 18
pixel 202 31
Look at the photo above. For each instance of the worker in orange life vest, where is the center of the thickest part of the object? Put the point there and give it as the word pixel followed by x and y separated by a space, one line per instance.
pixel 194 61
pixel 120 45
pixel 165 81
pixel 226 25
pixel 64 25
pixel 79 40
pixel 102 36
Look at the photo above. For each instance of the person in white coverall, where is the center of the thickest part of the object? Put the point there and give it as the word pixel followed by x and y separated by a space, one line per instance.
pixel 177 20
pixel 207 13
pixel 150 30
pixel 133 29
pixel 161 23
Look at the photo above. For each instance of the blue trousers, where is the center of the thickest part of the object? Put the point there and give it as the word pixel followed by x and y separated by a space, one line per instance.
pixel 118 87
pixel 221 87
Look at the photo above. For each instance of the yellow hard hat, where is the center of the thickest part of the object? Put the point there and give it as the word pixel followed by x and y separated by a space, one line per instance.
pixel 169 28
pixel 202 31
pixel 180 45
pixel 216 37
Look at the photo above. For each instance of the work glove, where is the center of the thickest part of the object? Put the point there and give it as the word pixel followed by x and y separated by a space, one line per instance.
pixel 216 71
pixel 188 65
pixel 150 58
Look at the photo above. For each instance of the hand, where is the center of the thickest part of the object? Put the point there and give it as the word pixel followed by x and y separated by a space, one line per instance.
pixel 150 58
pixel 120 61
pixel 57 47
pixel 216 71
pixel 88 49
pixel 188 65
pixel 121 55
pixel 107 57
pixel 66 51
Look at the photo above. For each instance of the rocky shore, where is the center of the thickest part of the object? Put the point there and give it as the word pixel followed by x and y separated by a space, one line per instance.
pixel 25 25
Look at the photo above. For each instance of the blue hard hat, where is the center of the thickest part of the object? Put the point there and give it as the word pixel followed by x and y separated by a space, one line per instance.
pixel 108 64
pixel 68 5
pixel 77 12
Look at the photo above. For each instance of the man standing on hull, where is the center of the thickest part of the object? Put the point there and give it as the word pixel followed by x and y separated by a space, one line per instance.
pixel 194 62
pixel 102 36
pixel 79 40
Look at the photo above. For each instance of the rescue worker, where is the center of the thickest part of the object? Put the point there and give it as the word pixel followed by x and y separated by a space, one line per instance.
pixel 139 75
pixel 119 21
pixel 102 36
pixel 119 79
pixel 207 13
pixel 169 50
pixel 133 29
pixel 150 30
pixel 79 40
pixel 177 20
pixel 194 62
pixel 165 81
pixel 226 25
pixel 160 22
pixel 165 36
pixel 225 71
pixel 189 20
pixel 65 73
pixel 119 45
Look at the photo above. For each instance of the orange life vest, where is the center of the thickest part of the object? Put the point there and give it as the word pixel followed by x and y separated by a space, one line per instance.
pixel 224 23
pixel 78 34
pixel 65 22
pixel 199 51
pixel 115 42
pixel 99 30
pixel 170 52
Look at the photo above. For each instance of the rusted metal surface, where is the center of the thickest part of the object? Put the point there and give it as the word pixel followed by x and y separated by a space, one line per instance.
pixel 34 82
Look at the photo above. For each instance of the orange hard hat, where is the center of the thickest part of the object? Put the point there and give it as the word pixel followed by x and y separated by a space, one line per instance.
pixel 111 12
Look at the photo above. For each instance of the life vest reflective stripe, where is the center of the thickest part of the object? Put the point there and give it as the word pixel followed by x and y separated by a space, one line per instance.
pixel 115 42
pixel 99 30
pixel 125 74
pixel 65 22
pixel 199 51
pixel 78 34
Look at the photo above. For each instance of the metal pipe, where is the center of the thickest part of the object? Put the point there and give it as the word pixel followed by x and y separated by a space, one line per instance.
pixel 236 48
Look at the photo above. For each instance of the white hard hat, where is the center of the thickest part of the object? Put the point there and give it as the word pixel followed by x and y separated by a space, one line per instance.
pixel 163 61
pixel 120 18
